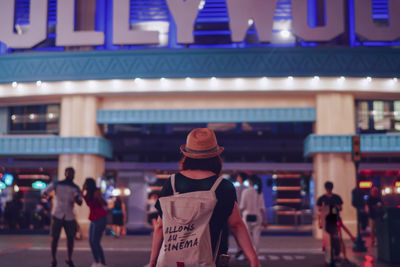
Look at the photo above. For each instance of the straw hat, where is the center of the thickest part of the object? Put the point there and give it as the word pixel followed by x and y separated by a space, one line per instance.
pixel 201 143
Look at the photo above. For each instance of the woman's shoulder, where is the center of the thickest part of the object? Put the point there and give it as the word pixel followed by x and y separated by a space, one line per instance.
pixel 226 188
pixel 227 185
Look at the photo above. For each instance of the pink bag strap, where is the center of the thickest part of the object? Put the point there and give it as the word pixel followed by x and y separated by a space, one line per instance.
pixel 173 184
pixel 216 184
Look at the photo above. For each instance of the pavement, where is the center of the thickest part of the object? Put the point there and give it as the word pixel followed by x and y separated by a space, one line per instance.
pixel 279 251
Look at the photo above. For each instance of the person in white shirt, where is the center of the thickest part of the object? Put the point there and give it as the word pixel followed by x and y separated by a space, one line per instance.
pixel 66 195
pixel 252 206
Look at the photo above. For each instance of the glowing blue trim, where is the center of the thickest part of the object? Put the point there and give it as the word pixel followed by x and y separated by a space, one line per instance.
pixel 31 145
pixel 39 185
pixel 206 115
pixel 370 143
pixel 200 63
pixel 312 13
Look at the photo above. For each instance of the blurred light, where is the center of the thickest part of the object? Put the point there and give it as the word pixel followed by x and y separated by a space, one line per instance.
pixel 38 83
pixel 14 84
pixel 162 79
pixel 274 176
pixel 398 190
pixel 51 115
pixel 127 192
pixel 39 185
pixel 369 79
pixel 202 4
pixel 16 188
pixel 188 79
pixel 13 117
pixel 31 116
pixel 342 79
pixel 316 78
pixel 388 190
pixel 213 79
pixel 225 176
pixel 236 184
pixel 103 186
pixel 274 188
pixel 246 183
pixel 8 179
pixel 395 80
pixel 285 34
pixel 397 184
pixel 250 22
pixel 365 184
pixel 365 197
pixel 256 186
pixel 2 185
pixel 116 192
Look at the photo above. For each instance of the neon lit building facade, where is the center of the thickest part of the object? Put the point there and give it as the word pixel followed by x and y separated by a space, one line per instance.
pixel 300 64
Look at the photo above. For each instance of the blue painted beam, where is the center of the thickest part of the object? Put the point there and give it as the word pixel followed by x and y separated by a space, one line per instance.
pixel 370 143
pixel 206 115
pixel 198 63
pixel 53 145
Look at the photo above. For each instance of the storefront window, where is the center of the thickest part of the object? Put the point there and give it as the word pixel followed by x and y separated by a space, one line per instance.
pixel 363 115
pixel 381 114
pixel 35 119
pixel 378 116
pixel 396 114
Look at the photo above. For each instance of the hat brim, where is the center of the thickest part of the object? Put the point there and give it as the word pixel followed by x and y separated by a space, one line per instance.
pixel 201 155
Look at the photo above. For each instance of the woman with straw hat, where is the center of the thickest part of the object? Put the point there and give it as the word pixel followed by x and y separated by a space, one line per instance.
pixel 194 205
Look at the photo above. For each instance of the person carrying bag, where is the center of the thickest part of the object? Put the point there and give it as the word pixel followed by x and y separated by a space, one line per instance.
pixel 193 207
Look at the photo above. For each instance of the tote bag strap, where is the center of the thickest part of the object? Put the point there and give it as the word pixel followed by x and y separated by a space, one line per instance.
pixel 173 184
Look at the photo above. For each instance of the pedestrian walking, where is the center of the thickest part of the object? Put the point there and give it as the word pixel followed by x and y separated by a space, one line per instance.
pixel 66 194
pixel 194 205
pixel 252 206
pixel 239 186
pixel 152 213
pixel 98 220
pixel 329 206
pixel 373 207
pixel 118 217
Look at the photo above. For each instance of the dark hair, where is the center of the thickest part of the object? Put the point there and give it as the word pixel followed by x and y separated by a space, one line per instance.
pixel 213 164
pixel 256 181
pixel 118 203
pixel 235 176
pixel 329 186
pixel 90 186
pixel 69 173
pixel 70 169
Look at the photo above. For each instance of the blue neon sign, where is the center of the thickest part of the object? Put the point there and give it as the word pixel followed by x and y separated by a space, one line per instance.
pixel 8 179
pixel 211 27
pixel 39 185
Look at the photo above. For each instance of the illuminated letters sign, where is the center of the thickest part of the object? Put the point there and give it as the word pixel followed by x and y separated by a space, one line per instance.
pixel 242 13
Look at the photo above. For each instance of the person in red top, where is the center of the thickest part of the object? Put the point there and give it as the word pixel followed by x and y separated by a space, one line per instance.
pixel 98 220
